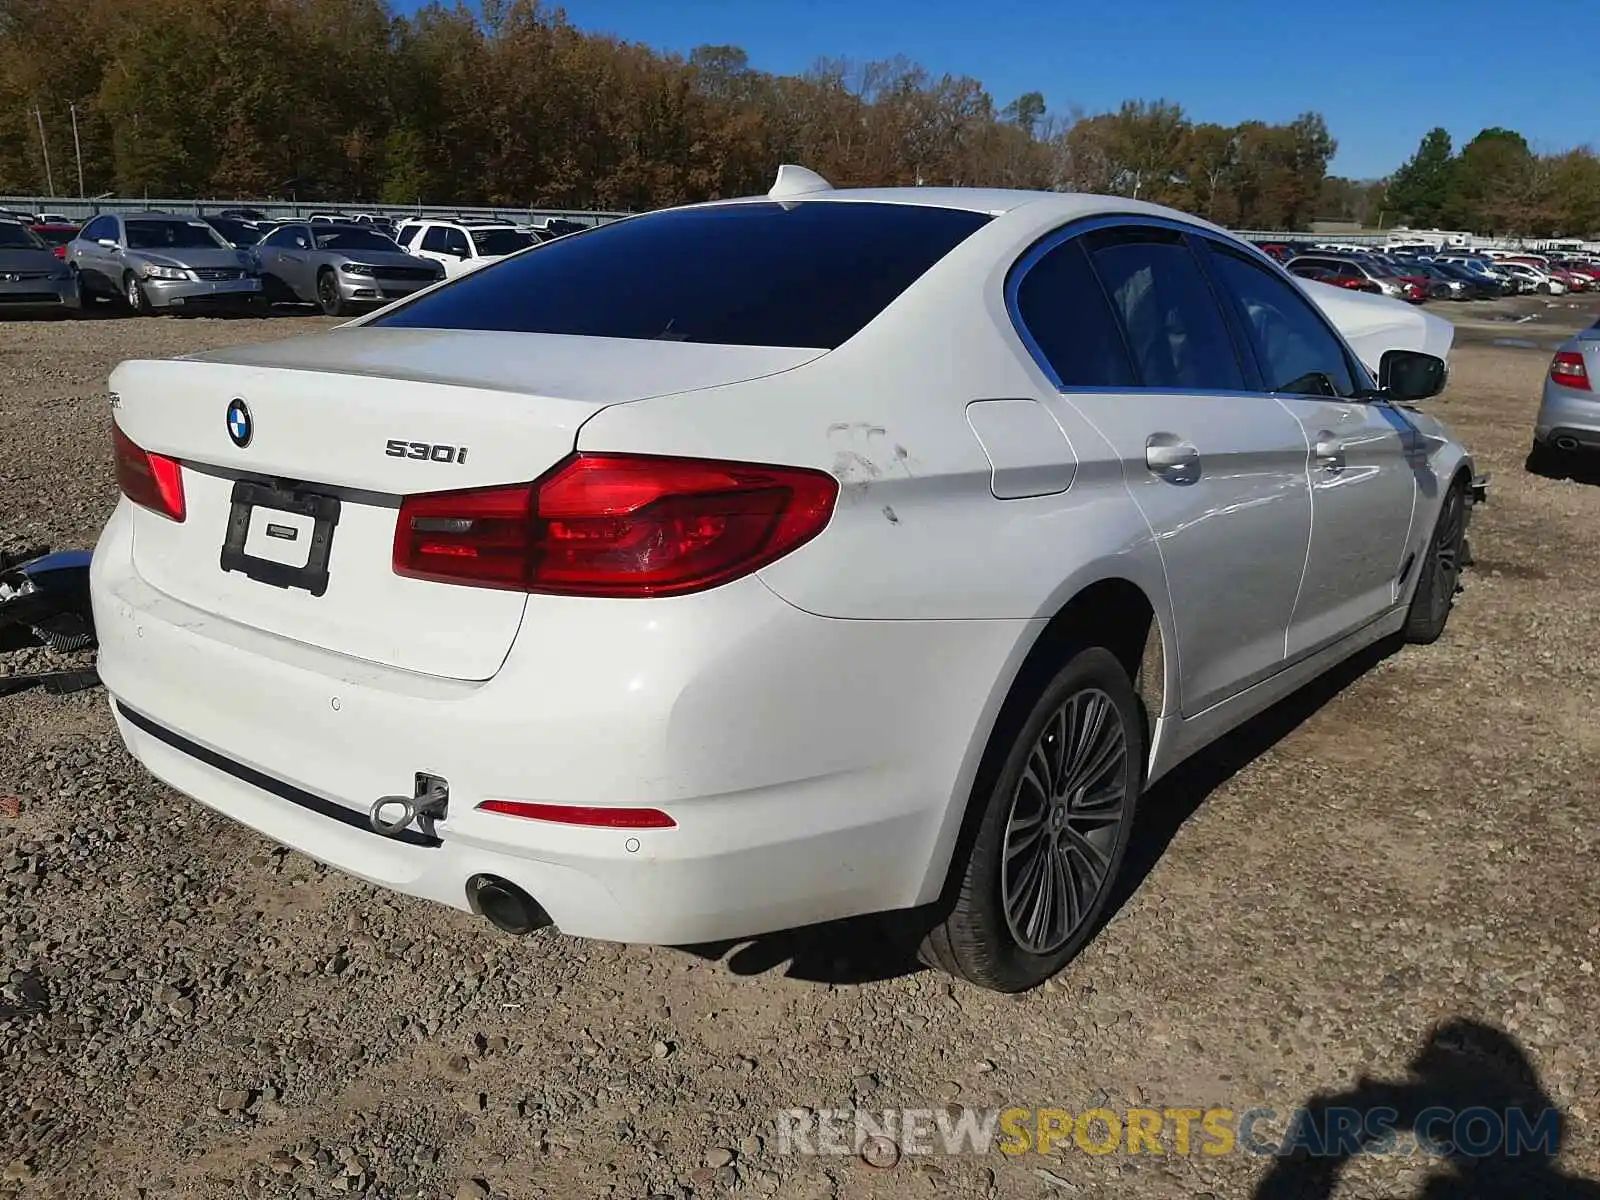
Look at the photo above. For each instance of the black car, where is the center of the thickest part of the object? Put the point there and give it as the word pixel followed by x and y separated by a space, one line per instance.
pixel 239 234
pixel 1483 287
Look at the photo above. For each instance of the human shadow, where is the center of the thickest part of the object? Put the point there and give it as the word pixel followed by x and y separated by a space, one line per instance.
pixel 884 946
pixel 1472 1102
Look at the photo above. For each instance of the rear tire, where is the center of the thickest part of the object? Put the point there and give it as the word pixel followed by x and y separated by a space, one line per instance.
pixel 1054 828
pixel 1440 573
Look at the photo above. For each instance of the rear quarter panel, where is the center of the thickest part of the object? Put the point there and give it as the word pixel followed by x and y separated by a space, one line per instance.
pixel 917 533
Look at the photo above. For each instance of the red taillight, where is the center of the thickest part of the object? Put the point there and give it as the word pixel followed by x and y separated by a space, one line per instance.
pixel 152 481
pixel 600 816
pixel 615 525
pixel 1568 370
pixel 59 251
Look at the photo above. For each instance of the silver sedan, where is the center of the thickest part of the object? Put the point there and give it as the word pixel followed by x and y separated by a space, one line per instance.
pixel 161 262
pixel 339 268
pixel 1569 413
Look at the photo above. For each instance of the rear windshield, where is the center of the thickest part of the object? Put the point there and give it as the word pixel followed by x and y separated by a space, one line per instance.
pixel 492 242
pixel 236 232
pixel 759 274
pixel 18 237
pixel 57 235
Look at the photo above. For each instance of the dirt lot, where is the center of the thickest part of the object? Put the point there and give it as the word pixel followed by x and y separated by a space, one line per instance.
pixel 1387 890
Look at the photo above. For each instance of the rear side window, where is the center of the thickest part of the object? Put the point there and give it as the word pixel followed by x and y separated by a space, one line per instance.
pixel 803 274
pixel 1174 328
pixel 1064 310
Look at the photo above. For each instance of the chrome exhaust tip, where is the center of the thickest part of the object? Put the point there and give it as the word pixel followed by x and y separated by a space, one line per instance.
pixel 505 906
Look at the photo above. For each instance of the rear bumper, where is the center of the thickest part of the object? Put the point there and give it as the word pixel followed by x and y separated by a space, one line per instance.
pixel 1566 413
pixel 811 764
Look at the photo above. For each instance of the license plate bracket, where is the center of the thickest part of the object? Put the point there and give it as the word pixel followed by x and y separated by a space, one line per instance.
pixel 324 514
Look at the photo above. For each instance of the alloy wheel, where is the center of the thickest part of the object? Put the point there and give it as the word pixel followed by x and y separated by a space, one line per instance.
pixel 1064 823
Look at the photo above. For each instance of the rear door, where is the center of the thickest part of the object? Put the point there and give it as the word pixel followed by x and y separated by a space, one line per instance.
pixel 1139 347
pixel 279 256
pixel 299 271
pixel 1359 457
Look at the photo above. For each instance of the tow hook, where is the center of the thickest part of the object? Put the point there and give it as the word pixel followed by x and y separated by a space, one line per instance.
pixel 428 802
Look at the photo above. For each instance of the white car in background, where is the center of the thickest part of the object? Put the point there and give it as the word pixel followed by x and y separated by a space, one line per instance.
pixel 463 246
pixel 1537 280
pixel 741 566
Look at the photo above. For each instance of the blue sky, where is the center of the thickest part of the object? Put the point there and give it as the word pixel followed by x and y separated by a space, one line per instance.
pixel 1382 72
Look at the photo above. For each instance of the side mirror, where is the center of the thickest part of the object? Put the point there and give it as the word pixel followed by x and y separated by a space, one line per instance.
pixel 108 243
pixel 1407 376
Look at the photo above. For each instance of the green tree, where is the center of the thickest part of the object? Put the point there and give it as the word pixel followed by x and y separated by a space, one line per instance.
pixel 1496 183
pixel 1420 191
pixel 1209 155
pixel 1025 112
pixel 1575 193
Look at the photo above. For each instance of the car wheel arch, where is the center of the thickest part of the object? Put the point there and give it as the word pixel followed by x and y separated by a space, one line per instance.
pixel 1110 610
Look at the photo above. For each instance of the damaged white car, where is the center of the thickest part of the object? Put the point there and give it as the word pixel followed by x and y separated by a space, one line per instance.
pixel 756 563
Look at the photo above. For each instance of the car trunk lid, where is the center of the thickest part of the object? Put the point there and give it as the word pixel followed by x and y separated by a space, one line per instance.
pixel 361 418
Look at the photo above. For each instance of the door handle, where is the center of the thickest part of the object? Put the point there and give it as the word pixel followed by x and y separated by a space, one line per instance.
pixel 1329 451
pixel 1168 455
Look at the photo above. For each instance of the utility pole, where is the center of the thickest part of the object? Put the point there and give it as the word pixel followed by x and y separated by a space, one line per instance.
pixel 49 180
pixel 77 146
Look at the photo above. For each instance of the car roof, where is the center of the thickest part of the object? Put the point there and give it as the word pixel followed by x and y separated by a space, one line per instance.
pixel 1031 213
pixel 990 201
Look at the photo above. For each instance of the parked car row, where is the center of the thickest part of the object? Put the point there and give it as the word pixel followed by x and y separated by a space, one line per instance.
pixel 240 259
pixel 1425 274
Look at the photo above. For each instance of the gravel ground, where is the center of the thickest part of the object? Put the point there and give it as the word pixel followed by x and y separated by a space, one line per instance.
pixel 1386 888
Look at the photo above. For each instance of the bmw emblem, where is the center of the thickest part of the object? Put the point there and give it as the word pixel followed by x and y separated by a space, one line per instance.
pixel 240 428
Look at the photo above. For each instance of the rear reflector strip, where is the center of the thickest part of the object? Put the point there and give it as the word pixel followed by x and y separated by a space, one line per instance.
pixel 152 481
pixel 596 816
pixel 323 807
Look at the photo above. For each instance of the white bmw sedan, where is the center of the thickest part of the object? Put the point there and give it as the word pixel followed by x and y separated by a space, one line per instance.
pixel 752 564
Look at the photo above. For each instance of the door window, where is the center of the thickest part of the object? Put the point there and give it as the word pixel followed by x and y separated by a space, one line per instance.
pixel 1062 308
pixel 1173 325
pixel 1294 347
